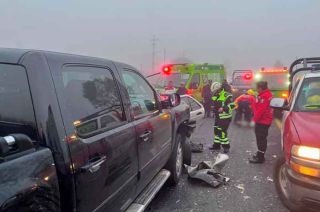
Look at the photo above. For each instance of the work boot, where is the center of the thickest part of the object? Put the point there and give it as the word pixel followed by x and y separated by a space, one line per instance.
pixel 257 158
pixel 226 151
pixel 215 147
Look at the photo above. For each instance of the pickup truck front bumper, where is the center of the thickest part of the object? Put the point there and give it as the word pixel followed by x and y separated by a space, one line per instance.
pixel 302 190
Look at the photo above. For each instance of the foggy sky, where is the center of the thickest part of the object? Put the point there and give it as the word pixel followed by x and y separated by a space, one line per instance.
pixel 240 33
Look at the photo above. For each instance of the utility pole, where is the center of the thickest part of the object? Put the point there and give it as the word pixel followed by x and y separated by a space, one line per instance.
pixel 164 56
pixel 153 43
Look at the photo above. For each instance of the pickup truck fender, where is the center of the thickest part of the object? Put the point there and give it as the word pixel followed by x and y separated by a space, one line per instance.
pixel 181 119
pixel 29 182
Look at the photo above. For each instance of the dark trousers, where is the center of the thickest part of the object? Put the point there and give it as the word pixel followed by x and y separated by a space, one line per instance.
pixel 243 108
pixel 207 107
pixel 261 131
pixel 221 133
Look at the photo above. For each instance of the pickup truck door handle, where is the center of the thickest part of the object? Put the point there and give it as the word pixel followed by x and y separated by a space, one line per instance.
pixel 94 166
pixel 146 135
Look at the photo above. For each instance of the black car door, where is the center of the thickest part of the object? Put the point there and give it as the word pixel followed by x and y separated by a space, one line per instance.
pixel 153 126
pixel 101 141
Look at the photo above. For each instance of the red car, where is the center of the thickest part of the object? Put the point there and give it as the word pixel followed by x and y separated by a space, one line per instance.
pixel 297 172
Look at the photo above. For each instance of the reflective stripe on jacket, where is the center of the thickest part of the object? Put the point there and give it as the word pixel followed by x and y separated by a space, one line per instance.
pixel 223 100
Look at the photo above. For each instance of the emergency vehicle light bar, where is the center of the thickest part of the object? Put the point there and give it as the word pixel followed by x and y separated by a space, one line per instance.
pixel 274 70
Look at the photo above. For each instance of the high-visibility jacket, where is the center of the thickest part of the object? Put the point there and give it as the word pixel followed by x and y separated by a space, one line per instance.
pixel 223 99
pixel 263 113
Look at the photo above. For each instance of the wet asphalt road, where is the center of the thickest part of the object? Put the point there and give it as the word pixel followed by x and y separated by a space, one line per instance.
pixel 258 193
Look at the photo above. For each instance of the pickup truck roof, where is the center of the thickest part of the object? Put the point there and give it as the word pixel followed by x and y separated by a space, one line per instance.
pixel 312 74
pixel 8 55
pixel 12 55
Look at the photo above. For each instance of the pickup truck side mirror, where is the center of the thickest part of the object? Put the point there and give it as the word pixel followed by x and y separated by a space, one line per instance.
pixel 170 100
pixel 279 103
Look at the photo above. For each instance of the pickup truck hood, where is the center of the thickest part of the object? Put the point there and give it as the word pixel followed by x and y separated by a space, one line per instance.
pixel 308 127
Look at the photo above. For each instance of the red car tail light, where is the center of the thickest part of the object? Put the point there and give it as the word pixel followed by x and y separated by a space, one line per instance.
pixel 189 91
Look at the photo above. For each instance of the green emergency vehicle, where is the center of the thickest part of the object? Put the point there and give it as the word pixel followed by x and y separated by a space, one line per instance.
pixel 277 78
pixel 193 76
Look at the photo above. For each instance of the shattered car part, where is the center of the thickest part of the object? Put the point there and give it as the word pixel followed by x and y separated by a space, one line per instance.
pixel 210 171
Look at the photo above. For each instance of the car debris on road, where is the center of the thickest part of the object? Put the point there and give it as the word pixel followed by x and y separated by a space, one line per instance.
pixel 210 171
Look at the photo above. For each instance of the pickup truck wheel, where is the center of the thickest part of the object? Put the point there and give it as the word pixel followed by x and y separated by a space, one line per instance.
pixel 175 162
pixel 281 183
pixel 186 147
pixel 42 201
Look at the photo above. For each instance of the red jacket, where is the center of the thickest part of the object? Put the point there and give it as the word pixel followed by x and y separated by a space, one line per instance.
pixel 247 98
pixel 263 113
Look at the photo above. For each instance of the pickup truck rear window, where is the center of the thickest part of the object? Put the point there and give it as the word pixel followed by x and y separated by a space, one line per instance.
pixel 16 109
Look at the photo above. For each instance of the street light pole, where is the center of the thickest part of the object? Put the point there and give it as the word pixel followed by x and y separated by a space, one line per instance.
pixel 153 43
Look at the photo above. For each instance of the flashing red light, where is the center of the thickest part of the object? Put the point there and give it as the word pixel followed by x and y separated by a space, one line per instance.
pixel 166 70
pixel 248 76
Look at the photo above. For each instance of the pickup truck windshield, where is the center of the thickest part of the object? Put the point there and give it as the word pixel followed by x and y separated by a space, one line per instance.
pixel 309 96
pixel 16 110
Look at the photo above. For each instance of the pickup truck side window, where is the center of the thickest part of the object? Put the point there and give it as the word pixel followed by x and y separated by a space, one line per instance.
pixel 142 96
pixel 16 109
pixel 92 99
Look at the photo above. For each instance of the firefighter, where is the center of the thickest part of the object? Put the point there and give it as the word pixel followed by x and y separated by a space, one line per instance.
pixel 263 115
pixel 223 106
pixel 245 105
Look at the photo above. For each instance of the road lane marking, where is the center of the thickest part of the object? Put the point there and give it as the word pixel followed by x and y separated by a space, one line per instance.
pixel 278 123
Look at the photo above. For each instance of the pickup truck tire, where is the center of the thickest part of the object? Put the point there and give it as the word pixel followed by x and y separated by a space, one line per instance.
pixel 42 200
pixel 175 162
pixel 187 153
pixel 278 176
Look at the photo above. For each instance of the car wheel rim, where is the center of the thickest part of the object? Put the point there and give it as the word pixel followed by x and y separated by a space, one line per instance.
pixel 179 160
pixel 283 181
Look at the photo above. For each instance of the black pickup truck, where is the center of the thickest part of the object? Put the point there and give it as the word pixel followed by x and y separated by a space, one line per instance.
pixel 80 133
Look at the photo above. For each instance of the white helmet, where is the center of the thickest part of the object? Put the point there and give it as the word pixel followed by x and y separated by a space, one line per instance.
pixel 215 86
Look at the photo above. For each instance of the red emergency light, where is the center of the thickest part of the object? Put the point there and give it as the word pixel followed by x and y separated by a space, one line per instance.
pixel 248 76
pixel 166 70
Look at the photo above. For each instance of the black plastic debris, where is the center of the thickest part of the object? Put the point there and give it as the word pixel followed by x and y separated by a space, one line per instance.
pixel 196 148
pixel 210 171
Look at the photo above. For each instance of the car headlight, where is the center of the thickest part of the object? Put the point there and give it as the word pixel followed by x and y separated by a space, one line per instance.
pixel 306 152
pixel 305 160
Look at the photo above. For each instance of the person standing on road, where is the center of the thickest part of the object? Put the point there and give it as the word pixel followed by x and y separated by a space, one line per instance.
pixel 245 105
pixel 223 107
pixel 206 96
pixel 263 115
pixel 182 89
